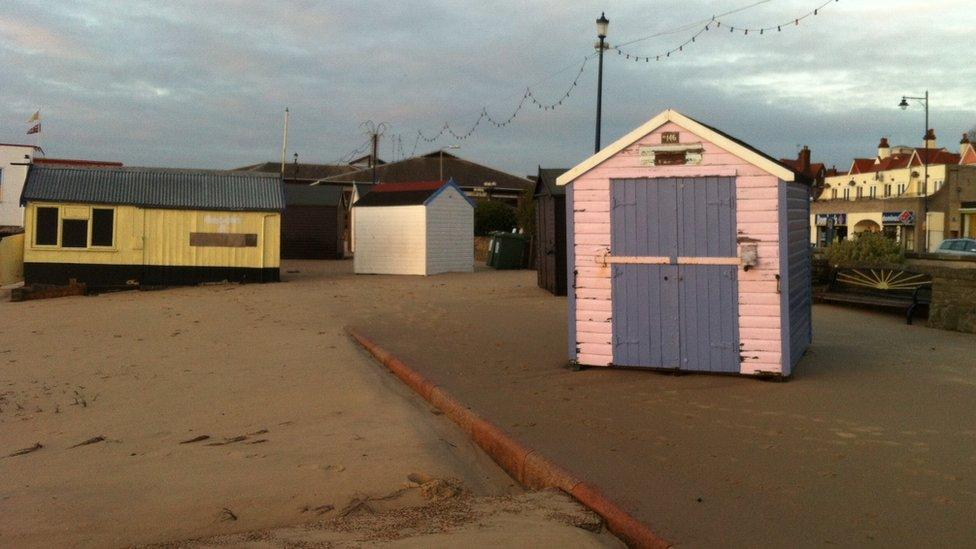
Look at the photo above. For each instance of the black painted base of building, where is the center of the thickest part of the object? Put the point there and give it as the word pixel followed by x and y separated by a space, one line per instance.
pixel 119 276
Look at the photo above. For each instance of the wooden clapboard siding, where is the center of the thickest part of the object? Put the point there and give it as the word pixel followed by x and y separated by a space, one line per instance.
pixel 757 200
pixel 796 265
pixel 550 243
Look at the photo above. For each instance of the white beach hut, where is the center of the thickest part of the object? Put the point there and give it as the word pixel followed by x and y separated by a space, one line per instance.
pixel 420 228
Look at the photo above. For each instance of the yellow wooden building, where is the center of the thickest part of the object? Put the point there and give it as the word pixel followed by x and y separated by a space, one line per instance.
pixel 150 226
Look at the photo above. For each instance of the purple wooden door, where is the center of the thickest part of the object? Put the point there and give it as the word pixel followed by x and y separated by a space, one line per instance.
pixel 673 255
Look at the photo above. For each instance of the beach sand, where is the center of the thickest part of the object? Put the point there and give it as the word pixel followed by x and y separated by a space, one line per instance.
pixel 240 415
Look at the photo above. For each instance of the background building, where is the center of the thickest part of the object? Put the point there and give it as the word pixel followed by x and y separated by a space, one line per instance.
pixel 889 193
pixel 150 226
pixel 475 180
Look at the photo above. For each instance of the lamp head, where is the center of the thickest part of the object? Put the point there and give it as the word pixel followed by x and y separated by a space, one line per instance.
pixel 904 103
pixel 601 26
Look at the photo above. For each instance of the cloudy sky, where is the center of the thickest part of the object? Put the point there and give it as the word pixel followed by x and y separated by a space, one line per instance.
pixel 205 83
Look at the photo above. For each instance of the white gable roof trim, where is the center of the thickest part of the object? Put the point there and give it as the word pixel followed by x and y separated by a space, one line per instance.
pixel 693 126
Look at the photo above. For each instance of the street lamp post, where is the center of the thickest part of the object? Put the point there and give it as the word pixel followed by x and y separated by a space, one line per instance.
pixel 441 163
pixel 601 32
pixel 924 100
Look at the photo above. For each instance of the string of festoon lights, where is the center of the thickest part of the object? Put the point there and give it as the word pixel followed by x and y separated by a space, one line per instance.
pixel 528 96
pixel 713 24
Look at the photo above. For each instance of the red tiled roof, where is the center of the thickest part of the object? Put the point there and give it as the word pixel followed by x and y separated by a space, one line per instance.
pixel 19 145
pixel 400 194
pixel 970 157
pixel 794 164
pixel 42 161
pixel 862 165
pixel 408 186
pixel 893 162
pixel 936 156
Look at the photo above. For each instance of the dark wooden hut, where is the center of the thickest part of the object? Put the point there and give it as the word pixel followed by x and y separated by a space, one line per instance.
pixel 313 225
pixel 550 231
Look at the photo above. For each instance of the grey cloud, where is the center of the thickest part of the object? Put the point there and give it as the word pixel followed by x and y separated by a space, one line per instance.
pixel 197 83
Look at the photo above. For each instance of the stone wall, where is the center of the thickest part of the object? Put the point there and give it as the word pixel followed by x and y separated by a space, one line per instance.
pixel 953 300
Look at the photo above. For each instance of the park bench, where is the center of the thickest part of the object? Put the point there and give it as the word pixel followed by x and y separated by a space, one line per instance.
pixel 879 287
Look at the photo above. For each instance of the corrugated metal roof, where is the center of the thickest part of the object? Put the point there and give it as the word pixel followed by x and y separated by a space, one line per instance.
pixel 319 195
pixel 156 188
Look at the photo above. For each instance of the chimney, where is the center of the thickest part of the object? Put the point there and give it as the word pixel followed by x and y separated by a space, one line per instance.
pixel 930 139
pixel 804 159
pixel 964 144
pixel 884 149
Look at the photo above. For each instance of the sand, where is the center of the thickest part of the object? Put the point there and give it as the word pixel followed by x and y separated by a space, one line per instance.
pixel 872 443
pixel 189 413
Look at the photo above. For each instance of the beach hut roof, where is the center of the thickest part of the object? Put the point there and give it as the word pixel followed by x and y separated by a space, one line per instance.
pixel 155 188
pixel 731 144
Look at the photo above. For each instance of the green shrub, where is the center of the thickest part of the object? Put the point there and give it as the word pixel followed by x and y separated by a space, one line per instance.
pixel 867 249
pixel 526 212
pixel 492 215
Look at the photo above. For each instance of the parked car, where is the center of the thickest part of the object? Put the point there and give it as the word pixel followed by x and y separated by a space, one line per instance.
pixel 958 246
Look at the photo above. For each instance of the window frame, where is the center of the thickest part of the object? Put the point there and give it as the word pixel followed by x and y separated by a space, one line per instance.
pixel 90 222
pixel 91 228
pixel 57 227
pixel 84 243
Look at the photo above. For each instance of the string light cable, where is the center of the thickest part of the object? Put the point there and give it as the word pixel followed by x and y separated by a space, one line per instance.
pixel 715 24
pixel 528 96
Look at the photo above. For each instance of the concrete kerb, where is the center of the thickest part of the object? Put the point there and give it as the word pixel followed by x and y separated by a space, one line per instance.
pixel 530 468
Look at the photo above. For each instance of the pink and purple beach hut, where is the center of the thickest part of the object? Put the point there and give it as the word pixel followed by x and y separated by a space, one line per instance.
pixel 688 250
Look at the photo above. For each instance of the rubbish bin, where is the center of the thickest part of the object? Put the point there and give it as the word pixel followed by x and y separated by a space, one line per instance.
pixel 491 258
pixel 507 251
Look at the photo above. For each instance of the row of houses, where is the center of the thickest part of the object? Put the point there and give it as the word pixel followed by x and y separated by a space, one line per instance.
pixel 916 195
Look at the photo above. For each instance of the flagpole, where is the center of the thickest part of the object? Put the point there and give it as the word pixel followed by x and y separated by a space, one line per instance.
pixel 36 120
pixel 284 144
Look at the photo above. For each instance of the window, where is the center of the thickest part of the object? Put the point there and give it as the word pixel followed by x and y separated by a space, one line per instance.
pixel 901 189
pixel 46 227
pixel 74 233
pixel 860 192
pixel 103 225
pixel 847 194
pixel 887 189
pixel 874 192
pixel 833 193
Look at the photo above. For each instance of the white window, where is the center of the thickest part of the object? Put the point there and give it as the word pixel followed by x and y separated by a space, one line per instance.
pixel 833 193
pixel 847 194
pixel 874 192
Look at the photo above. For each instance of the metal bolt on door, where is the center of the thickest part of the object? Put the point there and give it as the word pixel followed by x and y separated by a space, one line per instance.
pixel 674 273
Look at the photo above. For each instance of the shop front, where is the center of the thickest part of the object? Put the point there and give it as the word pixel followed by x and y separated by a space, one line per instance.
pixel 968 215
pixel 830 227
pixel 900 225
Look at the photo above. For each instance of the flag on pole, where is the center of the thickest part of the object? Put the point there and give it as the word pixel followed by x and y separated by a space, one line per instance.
pixel 36 117
pixel 36 128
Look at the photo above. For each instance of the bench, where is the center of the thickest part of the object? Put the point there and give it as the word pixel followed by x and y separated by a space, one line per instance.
pixel 879 287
